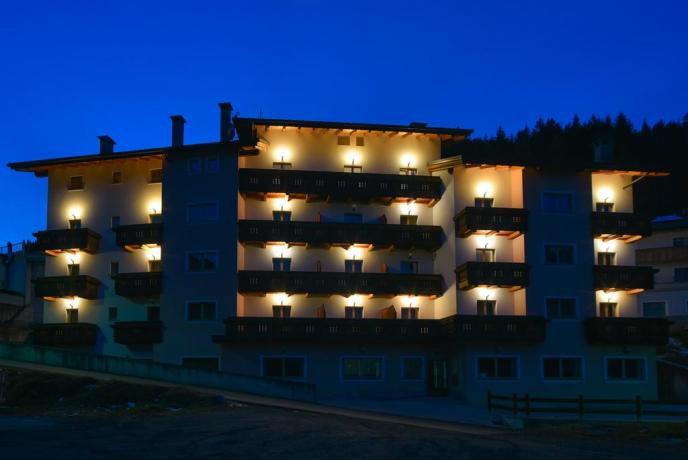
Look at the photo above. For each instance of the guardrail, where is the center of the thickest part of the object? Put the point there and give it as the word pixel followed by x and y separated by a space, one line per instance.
pixel 581 405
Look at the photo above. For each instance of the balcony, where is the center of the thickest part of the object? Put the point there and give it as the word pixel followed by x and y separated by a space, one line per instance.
pixel 624 226
pixel 65 335
pixel 326 234
pixel 332 330
pixel 132 237
pixel 133 333
pixel 338 186
pixel 657 256
pixel 627 331
pixel 55 287
pixel 138 285
pixel 492 274
pixel 623 278
pixel 346 284
pixel 471 329
pixel 509 222
pixel 54 242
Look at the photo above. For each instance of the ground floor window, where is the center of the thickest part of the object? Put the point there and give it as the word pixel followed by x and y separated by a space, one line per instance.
pixel 654 309
pixel 284 367
pixel 497 368
pixel 205 364
pixel 354 368
pixel 562 368
pixel 412 368
pixel 625 369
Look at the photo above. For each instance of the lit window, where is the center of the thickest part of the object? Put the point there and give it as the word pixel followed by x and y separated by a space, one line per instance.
pixel 286 368
pixel 497 368
pixel 562 368
pixel 76 183
pixel 201 311
pixel 487 307
pixel 155 176
pixel 362 368
pixel 558 254
pixel 202 261
pixel 625 369
pixel 557 202
pixel 202 212
pixel 654 309
pixel 561 308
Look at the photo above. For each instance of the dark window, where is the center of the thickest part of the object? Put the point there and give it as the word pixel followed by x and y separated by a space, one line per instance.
pixel 202 261
pixel 155 218
pixel 654 309
pixel 281 264
pixel 408 219
pixel 412 368
pixel 625 369
pixel 681 241
pixel 561 308
pixel 353 266
pixel 606 258
pixel 557 202
pixel 281 216
pixel 353 312
pixel 154 265
pixel 362 368
pixel 608 309
pixel 409 266
pixel 114 221
pixel 360 141
pixel 562 368
pixel 212 164
pixel 76 183
pixel 604 207
pixel 202 212
pixel 409 312
pixel 195 166
pixel 204 364
pixel 72 315
pixel 116 177
pixel 155 176
pixel 287 368
pixel 281 311
pixel 559 254
pixel 201 311
pixel 497 368
pixel 74 224
pixel 153 313
pixel 114 268
pixel 343 140
pixel 73 269
pixel 681 274
pixel 484 202
pixel 487 307
pixel 485 255
pixel 112 314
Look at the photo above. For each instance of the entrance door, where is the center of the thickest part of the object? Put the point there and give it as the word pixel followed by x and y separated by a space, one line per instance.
pixel 437 377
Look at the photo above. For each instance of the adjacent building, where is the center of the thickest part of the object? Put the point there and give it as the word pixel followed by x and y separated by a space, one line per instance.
pixel 369 259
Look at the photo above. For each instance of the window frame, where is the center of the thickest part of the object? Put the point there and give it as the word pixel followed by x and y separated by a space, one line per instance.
pixel 517 368
pixel 402 367
pixel 574 254
pixel 562 380
pixel 664 302
pixel 206 162
pixel 191 161
pixel 112 177
pixel 194 321
pixel 202 251
pixel 150 176
pixel 362 380
pixel 643 359
pixel 216 203
pixel 575 306
pixel 558 192
pixel 70 188
pixel 283 357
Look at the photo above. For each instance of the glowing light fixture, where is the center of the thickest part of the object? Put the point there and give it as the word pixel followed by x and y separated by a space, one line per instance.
pixel 485 241
pixel 605 195
pixel 280 250
pixel 484 190
pixel 74 212
pixel 154 207
pixel 486 294
pixel 280 298
pixel 354 301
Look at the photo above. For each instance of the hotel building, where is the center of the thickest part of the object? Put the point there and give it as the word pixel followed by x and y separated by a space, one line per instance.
pixel 369 259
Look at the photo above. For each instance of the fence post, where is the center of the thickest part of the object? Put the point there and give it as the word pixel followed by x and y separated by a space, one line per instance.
pixel 489 400
pixel 638 407
pixel 527 405
pixel 581 407
pixel 514 404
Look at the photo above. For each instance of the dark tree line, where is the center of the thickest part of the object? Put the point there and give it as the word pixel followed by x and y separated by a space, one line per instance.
pixel 662 146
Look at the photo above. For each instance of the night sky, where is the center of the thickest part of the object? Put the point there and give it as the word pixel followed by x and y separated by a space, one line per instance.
pixel 72 70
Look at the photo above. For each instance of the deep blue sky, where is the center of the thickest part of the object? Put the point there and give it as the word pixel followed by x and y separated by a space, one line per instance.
pixel 72 70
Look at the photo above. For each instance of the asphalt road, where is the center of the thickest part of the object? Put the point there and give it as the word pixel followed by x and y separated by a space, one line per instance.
pixel 255 432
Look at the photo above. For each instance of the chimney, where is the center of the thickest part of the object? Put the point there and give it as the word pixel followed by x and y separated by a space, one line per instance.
pixel 177 130
pixel 226 129
pixel 107 145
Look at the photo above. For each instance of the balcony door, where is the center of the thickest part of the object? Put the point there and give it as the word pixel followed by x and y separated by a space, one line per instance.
pixel 437 382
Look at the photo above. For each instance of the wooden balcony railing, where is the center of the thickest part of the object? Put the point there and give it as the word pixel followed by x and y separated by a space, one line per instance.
pixel 135 285
pixel 53 287
pixel 623 278
pixel 496 274
pixel 624 226
pixel 134 333
pixel 330 283
pixel 509 222
pixel 657 256
pixel 134 236
pixel 627 331
pixel 497 329
pixel 339 186
pixel 325 234
pixel 65 334
pixel 313 330
pixel 68 239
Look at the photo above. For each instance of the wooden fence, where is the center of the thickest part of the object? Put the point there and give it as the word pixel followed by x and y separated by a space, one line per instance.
pixel 581 406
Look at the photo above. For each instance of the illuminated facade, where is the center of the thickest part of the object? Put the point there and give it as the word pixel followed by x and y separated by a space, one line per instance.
pixel 368 259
